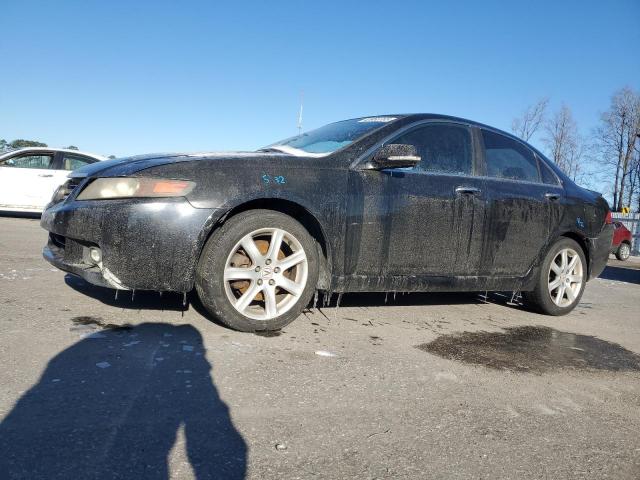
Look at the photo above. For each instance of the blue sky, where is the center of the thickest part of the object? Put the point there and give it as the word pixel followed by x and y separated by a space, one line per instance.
pixel 119 77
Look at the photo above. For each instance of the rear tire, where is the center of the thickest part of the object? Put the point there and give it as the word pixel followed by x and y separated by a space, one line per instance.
pixel 561 279
pixel 258 271
pixel 623 252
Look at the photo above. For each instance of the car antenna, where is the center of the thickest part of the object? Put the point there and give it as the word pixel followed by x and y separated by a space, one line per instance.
pixel 300 112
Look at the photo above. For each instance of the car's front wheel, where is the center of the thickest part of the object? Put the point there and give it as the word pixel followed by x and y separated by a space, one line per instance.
pixel 623 252
pixel 561 281
pixel 258 271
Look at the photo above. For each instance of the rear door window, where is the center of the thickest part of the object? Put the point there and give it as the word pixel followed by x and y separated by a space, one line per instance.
pixel 72 161
pixel 509 159
pixel 442 148
pixel 547 175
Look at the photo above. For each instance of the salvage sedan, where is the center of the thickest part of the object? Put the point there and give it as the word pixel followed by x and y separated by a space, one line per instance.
pixel 398 203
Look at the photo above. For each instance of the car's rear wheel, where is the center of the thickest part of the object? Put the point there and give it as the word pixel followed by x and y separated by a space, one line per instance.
pixel 258 271
pixel 561 281
pixel 623 252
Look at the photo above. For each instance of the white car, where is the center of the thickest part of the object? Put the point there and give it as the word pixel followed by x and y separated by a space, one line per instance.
pixel 30 176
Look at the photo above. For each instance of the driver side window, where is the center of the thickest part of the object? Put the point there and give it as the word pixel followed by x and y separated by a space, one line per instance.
pixel 29 161
pixel 442 148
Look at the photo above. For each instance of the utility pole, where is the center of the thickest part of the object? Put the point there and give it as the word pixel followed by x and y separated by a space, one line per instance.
pixel 300 113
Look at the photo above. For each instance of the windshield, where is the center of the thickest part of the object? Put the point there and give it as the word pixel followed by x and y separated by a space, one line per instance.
pixel 332 137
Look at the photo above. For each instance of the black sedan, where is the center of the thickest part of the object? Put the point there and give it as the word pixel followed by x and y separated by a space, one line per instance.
pixel 398 203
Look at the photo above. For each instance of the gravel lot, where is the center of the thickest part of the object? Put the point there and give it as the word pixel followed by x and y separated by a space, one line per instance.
pixel 417 386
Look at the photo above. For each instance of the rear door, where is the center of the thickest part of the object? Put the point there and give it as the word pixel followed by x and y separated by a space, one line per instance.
pixel 23 179
pixel 521 208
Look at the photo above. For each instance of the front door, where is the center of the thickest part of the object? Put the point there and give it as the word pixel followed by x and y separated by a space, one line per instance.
pixel 423 221
pixel 24 179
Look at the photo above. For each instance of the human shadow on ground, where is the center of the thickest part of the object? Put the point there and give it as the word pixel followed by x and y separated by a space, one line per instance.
pixel 111 406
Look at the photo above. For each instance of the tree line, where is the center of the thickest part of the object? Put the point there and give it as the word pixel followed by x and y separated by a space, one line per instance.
pixel 610 155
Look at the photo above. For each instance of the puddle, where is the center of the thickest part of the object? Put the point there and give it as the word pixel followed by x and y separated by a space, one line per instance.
pixel 533 349
pixel 97 321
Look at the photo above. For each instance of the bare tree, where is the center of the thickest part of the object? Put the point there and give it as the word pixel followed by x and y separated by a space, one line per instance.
pixel 617 135
pixel 564 144
pixel 531 120
pixel 633 187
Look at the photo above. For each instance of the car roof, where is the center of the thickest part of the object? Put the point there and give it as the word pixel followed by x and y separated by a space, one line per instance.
pixel 428 116
pixel 439 116
pixel 52 150
pixel 416 117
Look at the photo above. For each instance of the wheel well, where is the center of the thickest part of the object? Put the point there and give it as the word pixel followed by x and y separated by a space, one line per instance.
pixel 303 216
pixel 580 241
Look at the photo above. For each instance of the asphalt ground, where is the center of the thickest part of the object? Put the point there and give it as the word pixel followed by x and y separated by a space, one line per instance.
pixel 383 386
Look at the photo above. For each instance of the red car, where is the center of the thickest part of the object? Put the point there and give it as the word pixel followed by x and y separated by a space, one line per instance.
pixel 621 243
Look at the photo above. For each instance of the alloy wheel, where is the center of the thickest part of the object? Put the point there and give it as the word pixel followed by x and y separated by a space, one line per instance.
pixel 265 273
pixel 565 277
pixel 624 251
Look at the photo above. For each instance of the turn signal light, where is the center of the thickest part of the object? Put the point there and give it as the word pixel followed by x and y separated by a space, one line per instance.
pixel 607 218
pixel 170 187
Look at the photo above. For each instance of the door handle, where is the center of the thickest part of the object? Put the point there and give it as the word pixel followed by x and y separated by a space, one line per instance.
pixel 552 196
pixel 461 190
pixel 45 175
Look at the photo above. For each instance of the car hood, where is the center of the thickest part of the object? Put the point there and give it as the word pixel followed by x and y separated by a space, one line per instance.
pixel 131 165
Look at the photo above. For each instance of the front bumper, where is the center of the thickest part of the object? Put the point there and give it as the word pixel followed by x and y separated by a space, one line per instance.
pixel 55 255
pixel 146 244
pixel 599 249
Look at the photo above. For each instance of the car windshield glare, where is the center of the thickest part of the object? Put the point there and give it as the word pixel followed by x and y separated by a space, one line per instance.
pixel 331 137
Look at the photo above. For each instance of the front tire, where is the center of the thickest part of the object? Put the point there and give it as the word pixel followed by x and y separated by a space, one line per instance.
pixel 258 271
pixel 561 279
pixel 623 252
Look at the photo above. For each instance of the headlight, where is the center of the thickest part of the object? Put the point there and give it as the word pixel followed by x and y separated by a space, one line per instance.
pixel 103 188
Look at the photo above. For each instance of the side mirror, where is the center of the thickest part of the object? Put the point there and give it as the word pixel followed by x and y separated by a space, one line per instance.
pixel 395 155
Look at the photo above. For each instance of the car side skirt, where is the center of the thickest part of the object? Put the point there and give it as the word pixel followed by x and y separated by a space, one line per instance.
pixel 429 283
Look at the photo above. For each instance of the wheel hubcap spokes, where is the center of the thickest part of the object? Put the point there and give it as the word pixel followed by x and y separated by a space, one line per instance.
pixel 565 277
pixel 624 250
pixel 265 273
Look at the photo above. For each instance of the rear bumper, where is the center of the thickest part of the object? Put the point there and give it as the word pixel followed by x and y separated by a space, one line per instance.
pixel 146 244
pixel 599 249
